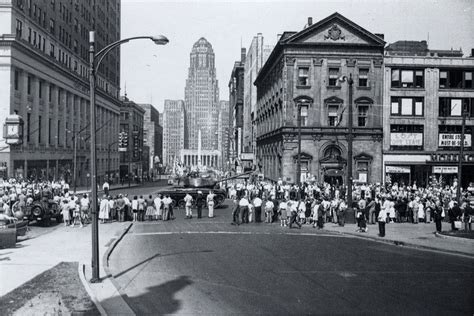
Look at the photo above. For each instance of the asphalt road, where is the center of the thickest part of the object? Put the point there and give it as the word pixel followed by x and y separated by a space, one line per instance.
pixel 209 267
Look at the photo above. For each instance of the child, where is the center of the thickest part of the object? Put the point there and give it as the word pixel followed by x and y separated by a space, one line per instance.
pixel 65 211
pixel 268 211
pixel 283 217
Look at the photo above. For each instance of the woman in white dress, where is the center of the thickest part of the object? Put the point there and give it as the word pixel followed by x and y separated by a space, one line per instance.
pixel 210 203
pixel 104 209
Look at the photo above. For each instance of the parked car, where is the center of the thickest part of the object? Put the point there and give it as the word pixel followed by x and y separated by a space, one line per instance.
pixel 10 229
pixel 177 194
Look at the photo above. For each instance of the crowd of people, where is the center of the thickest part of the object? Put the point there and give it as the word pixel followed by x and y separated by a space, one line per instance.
pixel 317 204
pixel 263 201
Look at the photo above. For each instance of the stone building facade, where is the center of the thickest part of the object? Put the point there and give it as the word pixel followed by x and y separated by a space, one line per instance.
pixel 257 55
pixel 236 109
pixel 131 125
pixel 425 92
pixel 224 133
pixel 152 137
pixel 44 78
pixel 303 72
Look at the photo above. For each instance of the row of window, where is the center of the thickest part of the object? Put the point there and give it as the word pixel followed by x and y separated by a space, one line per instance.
pixel 333 77
pixel 414 106
pixel 400 78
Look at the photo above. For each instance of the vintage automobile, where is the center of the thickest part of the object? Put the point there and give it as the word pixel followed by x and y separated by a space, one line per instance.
pixel 177 194
pixel 42 211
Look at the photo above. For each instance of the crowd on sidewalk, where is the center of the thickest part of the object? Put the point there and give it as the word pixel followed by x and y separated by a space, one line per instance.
pixel 317 204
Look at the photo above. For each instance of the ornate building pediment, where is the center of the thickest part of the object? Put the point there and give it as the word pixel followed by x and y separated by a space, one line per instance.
pixel 336 29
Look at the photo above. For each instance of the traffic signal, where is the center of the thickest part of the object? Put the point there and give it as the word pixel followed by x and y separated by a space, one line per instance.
pixel 125 139
pixel 120 139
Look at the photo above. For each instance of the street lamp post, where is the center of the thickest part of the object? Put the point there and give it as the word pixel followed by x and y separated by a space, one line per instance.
pixel 350 135
pixel 93 66
pixel 461 153
pixel 300 101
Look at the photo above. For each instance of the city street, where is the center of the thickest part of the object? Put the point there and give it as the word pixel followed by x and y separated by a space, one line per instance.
pixel 208 266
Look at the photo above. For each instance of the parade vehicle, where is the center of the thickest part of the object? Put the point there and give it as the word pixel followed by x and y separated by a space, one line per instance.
pixel 195 182
pixel 42 210
pixel 177 194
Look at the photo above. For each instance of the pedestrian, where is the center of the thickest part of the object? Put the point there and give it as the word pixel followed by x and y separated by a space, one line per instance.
pixel 85 206
pixel 382 219
pixel 200 202
pixel 150 210
pixel 106 188
pixel 294 214
pixel 166 207
pixel 244 209
pixel 341 213
pixel 113 210
pixel 257 204
pixel 64 211
pixel 283 216
pixel 134 205
pixel 438 215
pixel 120 207
pixel 210 204
pixel 268 211
pixel 141 208
pixel 104 209
pixel 236 212
pixel 158 201
pixel 467 215
pixel 188 203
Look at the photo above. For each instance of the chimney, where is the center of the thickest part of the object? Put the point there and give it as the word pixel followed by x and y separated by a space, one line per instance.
pixel 243 54
pixel 310 21
pixel 380 35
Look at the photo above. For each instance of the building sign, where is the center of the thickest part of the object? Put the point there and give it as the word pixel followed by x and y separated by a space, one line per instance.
pixel 451 157
pixel 246 156
pixel 445 169
pixel 363 177
pixel 453 140
pixel 406 139
pixel 396 169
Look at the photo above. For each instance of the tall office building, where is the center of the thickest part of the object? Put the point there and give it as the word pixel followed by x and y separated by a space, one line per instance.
pixel 44 77
pixel 202 98
pixel 224 133
pixel 152 137
pixel 174 129
pixel 257 55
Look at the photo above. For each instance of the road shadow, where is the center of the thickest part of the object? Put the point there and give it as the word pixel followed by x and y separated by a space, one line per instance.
pixel 155 256
pixel 157 300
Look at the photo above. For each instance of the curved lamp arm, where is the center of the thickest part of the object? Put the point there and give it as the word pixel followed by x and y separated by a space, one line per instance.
pixel 158 40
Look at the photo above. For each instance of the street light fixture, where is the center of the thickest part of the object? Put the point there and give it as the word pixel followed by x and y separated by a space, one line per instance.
pixel 300 101
pixel 93 66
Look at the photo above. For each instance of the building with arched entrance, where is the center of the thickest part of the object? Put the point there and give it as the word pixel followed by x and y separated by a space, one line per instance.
pixel 300 82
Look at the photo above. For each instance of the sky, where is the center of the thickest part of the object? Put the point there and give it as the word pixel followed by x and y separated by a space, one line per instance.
pixel 151 73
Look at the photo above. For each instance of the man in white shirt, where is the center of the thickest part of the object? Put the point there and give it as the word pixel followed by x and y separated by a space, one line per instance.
pixel 106 188
pixel 257 204
pixel 158 202
pixel 244 209
pixel 188 200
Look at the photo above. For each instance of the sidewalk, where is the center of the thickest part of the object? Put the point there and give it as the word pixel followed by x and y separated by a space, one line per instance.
pixel 66 244
pixel 414 235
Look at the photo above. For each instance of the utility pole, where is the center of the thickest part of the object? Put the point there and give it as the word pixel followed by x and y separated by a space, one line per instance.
pixel 461 153
pixel 349 146
pixel 75 157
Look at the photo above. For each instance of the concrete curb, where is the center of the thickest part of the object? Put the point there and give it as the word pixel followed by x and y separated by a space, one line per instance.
pixel 411 245
pixel 111 248
pixel 81 270
pixel 466 240
pixel 105 265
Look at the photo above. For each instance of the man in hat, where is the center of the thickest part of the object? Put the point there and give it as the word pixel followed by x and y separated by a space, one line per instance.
pixel 200 202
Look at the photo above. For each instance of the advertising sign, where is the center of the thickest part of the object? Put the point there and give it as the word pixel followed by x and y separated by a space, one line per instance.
pixel 396 169
pixel 445 169
pixel 453 140
pixel 406 139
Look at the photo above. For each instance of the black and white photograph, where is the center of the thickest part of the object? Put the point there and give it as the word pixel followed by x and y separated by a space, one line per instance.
pixel 236 157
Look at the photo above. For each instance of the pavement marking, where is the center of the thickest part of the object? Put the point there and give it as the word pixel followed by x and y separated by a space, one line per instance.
pixel 237 233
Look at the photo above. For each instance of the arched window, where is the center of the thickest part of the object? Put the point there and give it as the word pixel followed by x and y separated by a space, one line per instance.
pixel 332 151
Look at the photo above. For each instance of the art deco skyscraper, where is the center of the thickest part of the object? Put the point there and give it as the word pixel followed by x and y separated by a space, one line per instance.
pixel 202 98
